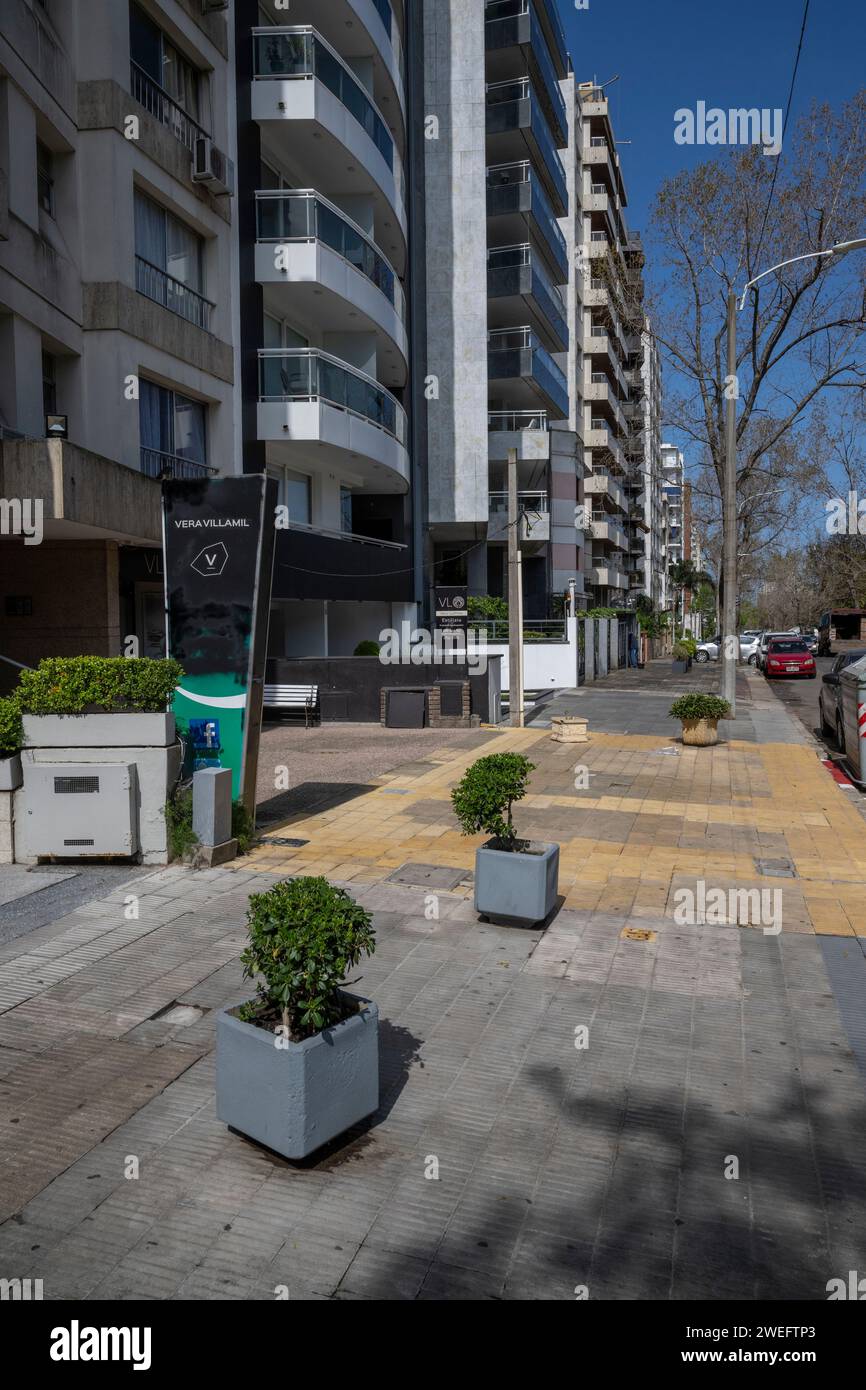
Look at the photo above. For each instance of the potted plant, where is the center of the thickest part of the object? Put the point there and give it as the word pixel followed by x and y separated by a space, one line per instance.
pixel 515 880
pixel 10 745
pixel 700 715
pixel 299 1064
pixel 682 658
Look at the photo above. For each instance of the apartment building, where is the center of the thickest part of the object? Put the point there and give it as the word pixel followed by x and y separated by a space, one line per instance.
pixel 677 517
pixel 116 312
pixel 644 483
pixel 498 264
pixel 326 127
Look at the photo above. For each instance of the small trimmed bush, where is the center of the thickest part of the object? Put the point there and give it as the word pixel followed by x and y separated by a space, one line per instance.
pixel 483 797
pixel 700 707
pixel 84 684
pixel 305 936
pixel 10 727
pixel 367 648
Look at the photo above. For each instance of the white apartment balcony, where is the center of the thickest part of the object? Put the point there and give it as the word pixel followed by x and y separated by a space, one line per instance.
pixel 357 29
pixel 526 431
pixel 601 436
pixel 605 576
pixel 597 198
pixel 319 266
pixel 604 485
pixel 313 408
pixel 534 510
pixel 599 390
pixel 605 528
pixel 332 126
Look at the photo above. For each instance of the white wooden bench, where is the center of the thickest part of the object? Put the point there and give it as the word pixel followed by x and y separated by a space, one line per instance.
pixel 293 697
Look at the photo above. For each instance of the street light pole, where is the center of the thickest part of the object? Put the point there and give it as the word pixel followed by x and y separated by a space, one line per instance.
pixel 730 644
pixel 730 529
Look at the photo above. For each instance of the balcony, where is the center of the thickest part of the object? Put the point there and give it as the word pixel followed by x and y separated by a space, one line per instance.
pixel 340 416
pixel 158 285
pixel 301 79
pixel 515 24
pixel 519 288
pixel 606 528
pixel 525 431
pixel 517 204
pixel 365 30
pixel 162 107
pixel 334 270
pixel 533 510
pixel 604 485
pixel 312 562
pixel 519 366
pixel 605 576
pixel 517 129
pixel 156 464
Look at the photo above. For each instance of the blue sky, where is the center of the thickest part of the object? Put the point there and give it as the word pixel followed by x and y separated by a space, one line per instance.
pixel 674 53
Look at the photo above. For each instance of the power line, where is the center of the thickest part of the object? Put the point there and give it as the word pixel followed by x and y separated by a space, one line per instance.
pixel 784 129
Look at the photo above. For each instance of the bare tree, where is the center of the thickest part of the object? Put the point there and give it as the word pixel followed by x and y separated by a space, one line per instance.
pixel 802 330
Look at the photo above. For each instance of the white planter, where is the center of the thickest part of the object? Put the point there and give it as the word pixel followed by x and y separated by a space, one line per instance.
pixel 10 773
pixel 133 730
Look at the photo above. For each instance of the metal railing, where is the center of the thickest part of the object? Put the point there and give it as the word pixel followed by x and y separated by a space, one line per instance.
pixel 299 51
pixel 314 530
pixel 527 501
pixel 304 215
pixel 157 101
pixel 515 90
pixel 307 374
pixel 521 171
pixel 157 464
pixel 514 420
pixel 156 284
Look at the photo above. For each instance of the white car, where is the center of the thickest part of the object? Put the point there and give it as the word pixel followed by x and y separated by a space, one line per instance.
pixel 709 651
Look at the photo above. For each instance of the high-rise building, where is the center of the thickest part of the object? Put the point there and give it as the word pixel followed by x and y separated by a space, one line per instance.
pixel 498 212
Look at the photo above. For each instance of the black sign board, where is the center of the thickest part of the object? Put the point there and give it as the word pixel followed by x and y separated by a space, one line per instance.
pixel 218 542
pixel 450 605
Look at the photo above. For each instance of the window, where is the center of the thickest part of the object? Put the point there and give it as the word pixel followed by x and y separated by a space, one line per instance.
pixel 169 261
pixel 295 494
pixel 45 177
pixel 157 57
pixel 279 334
pixel 172 431
pixel 345 509
pixel 49 384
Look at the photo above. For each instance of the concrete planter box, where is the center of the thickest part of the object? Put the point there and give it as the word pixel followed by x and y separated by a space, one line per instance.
pixel 679 668
pixel 700 733
pixel 519 888
pixel 7 828
pixel 10 773
pixel 568 728
pixel 294 1098
pixel 133 730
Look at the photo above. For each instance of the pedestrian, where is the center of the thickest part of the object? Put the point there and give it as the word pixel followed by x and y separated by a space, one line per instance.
pixel 632 649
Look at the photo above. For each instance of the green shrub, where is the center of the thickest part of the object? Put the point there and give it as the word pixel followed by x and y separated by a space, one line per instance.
pixel 600 613
pixel 79 684
pixel 689 643
pixel 486 606
pixel 700 707
pixel 367 648
pixel 681 652
pixel 304 936
pixel 483 797
pixel 10 726
pixel 243 826
pixel 178 821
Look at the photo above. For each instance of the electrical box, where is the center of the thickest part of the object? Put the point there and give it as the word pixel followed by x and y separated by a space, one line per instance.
pixel 73 810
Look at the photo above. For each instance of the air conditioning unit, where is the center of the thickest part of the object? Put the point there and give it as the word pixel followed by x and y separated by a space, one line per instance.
pixel 210 166
pixel 208 5
pixel 77 810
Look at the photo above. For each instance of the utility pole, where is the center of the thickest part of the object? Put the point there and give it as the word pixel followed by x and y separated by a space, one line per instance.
pixel 730 639
pixel 515 601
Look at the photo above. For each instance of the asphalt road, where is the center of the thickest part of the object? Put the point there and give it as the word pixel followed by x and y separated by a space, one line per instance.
pixel 800 695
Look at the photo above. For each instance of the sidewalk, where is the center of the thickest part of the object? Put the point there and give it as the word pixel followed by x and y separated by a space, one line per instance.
pixel 558 1167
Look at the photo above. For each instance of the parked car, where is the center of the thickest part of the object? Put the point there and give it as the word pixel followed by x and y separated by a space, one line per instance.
pixel 788 656
pixel 766 639
pixel 830 695
pixel 709 651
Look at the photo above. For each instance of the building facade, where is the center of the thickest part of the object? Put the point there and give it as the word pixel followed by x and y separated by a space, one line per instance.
pixel 116 306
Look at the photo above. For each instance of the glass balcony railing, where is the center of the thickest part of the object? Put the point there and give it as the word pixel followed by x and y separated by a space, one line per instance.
pixel 518 352
pixel 511 22
pixel 515 187
pixel 383 8
pixel 300 52
pixel 504 264
pixel 515 106
pixel 514 420
pixel 307 374
pixel 304 215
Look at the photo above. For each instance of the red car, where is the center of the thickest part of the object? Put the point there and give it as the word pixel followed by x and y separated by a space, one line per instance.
pixel 788 656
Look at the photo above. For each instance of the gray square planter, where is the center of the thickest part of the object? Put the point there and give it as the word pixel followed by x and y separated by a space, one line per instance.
pixel 518 888
pixel 117 730
pixel 10 773
pixel 294 1098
